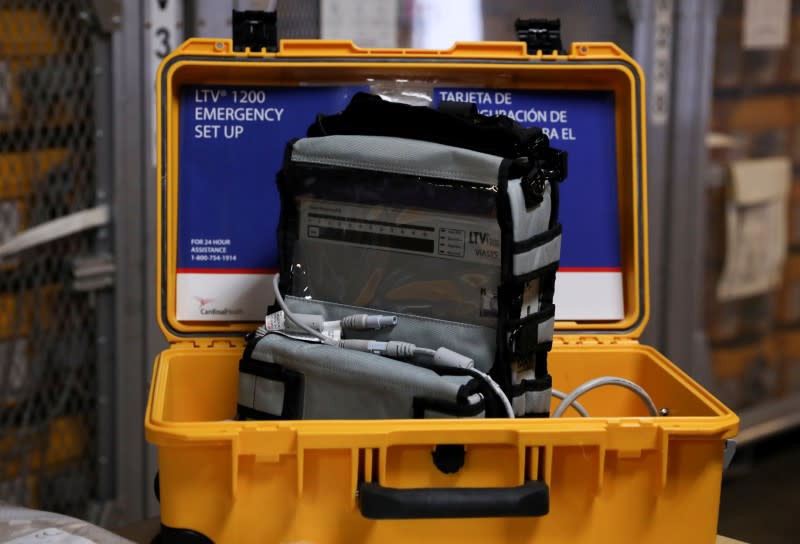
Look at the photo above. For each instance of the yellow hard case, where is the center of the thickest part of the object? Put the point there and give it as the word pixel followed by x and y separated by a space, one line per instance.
pixel 618 476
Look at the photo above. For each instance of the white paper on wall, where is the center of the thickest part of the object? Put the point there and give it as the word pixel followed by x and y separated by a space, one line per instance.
pixel 367 24
pixel 438 24
pixel 756 215
pixel 766 24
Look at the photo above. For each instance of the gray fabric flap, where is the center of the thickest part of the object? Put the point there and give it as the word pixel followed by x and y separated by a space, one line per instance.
pixel 472 341
pixel 399 156
pixel 268 395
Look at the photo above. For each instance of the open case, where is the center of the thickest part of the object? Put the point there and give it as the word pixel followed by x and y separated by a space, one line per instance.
pixel 225 113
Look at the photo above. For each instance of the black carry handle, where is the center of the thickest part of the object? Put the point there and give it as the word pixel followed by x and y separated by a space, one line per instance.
pixel 378 502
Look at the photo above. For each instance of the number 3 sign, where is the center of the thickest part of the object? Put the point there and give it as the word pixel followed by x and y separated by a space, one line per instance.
pixel 164 32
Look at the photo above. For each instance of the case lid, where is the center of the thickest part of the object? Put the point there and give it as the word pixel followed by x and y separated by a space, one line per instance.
pixel 224 118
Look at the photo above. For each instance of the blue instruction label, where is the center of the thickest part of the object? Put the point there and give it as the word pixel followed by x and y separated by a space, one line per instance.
pixel 231 146
pixel 232 141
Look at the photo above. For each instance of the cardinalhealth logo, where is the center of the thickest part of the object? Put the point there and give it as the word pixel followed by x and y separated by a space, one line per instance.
pixel 205 309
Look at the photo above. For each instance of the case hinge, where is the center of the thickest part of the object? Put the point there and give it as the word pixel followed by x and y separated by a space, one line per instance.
pixel 255 30
pixel 540 34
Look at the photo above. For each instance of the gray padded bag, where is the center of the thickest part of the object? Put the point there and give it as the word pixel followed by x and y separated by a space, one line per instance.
pixel 487 297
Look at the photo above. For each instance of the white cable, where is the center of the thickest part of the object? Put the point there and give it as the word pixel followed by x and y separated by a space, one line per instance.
pixel 446 357
pixel 496 388
pixel 290 316
pixel 577 405
pixel 600 382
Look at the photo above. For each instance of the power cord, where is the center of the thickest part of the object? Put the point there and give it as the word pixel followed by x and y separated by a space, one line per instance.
pixel 575 404
pixel 474 372
pixel 603 381
pixel 446 357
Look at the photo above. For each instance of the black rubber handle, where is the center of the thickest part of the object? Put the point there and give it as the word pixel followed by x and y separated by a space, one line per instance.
pixel 378 502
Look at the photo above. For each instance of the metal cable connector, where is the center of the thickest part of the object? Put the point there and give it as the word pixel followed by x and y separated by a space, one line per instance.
pixel 362 322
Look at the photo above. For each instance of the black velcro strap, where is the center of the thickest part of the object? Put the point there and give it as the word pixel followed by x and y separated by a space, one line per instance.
pixel 537 384
pixel 538 273
pixel 535 415
pixel 293 387
pixel 523 334
pixel 523 246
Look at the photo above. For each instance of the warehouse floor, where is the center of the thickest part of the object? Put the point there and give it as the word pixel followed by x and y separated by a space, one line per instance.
pixel 761 494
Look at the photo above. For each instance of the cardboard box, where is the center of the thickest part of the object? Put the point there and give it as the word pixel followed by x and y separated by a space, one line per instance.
pixel 765 67
pixel 757 314
pixel 794 49
pixel 715 226
pixel 787 308
pixel 754 113
pixel 727 53
pixel 793 227
pixel 788 342
pixel 723 320
pixel 746 373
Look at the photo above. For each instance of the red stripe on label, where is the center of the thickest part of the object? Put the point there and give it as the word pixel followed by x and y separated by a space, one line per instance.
pixel 262 271
pixel 591 269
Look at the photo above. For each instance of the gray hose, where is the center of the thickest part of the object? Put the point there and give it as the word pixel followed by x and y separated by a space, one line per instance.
pixel 600 382
pixel 577 405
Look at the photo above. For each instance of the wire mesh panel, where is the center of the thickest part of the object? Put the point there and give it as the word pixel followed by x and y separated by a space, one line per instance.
pixel 48 366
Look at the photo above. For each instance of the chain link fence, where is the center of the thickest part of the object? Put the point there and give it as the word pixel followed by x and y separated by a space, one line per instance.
pixel 48 361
